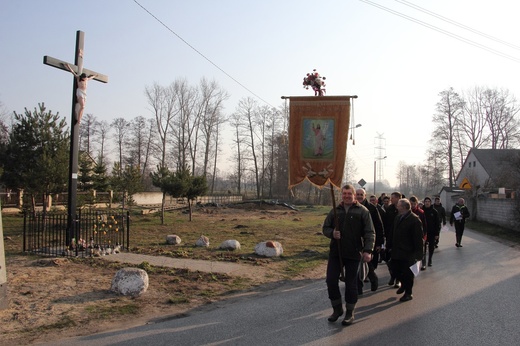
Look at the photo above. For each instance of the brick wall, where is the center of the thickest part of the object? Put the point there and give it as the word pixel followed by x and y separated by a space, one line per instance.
pixel 498 211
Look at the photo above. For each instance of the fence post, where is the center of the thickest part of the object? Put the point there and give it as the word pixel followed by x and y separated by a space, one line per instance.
pixel 127 230
pixel 3 270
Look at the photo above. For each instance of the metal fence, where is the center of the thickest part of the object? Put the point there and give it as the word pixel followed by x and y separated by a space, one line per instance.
pixel 95 233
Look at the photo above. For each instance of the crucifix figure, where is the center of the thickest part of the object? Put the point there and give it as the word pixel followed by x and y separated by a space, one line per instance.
pixel 79 96
pixel 81 91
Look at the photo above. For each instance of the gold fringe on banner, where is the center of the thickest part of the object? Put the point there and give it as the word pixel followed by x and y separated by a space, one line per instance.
pixel 318 135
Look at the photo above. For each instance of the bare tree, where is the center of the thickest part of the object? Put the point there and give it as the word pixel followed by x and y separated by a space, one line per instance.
pixel 137 140
pixel 500 110
pixel 162 103
pixel 121 128
pixel 184 124
pixel 151 145
pixel 247 111
pixel 473 121
pixel 211 105
pixel 141 144
pixel 350 170
pixel 238 139
pixel 86 133
pixel 449 110
pixel 101 132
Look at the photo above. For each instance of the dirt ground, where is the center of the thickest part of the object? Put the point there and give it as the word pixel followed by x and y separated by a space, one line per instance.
pixel 50 298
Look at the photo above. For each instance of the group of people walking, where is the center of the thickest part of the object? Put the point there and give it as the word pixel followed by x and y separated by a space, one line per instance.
pixel 364 233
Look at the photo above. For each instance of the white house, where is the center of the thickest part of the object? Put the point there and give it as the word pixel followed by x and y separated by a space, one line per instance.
pixel 490 168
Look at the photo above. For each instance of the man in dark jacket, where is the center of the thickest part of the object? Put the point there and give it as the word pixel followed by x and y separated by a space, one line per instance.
pixel 407 247
pixel 432 227
pixel 459 214
pixel 349 225
pixel 442 216
pixel 380 240
pixel 414 202
pixel 388 224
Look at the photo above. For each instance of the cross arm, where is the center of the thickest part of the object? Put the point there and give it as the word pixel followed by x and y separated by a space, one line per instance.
pixel 47 60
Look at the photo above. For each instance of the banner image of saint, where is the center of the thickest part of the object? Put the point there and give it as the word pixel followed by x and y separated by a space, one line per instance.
pixel 318 134
pixel 318 138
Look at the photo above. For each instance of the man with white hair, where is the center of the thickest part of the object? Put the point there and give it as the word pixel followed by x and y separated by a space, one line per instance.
pixel 407 247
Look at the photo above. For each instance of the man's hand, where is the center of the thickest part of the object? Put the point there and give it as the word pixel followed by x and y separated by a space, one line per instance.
pixel 336 234
pixel 367 257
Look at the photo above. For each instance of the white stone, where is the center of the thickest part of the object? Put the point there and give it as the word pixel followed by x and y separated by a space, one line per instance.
pixel 202 241
pixel 173 239
pixel 269 249
pixel 230 245
pixel 130 282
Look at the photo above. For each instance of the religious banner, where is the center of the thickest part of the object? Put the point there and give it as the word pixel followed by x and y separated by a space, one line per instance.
pixel 318 134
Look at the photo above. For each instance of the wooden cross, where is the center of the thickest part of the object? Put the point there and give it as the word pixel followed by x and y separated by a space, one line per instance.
pixel 77 69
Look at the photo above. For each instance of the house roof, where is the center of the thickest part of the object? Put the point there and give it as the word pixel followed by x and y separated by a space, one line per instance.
pixel 494 161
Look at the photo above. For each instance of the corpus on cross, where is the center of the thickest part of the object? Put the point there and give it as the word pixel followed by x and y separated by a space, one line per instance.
pixel 79 96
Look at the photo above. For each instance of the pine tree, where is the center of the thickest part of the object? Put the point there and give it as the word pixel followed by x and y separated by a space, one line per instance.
pixel 36 156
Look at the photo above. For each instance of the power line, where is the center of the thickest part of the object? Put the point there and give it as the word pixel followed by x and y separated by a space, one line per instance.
pixel 451 21
pixel 202 55
pixel 442 31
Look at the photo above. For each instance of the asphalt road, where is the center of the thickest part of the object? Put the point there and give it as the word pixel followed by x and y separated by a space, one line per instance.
pixel 469 297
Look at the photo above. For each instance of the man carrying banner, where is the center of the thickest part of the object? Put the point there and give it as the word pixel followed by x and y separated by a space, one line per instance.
pixel 349 224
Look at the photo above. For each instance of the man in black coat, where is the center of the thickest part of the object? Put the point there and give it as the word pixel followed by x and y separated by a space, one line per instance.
pixel 432 227
pixel 388 225
pixel 459 214
pixel 380 240
pixel 442 216
pixel 407 247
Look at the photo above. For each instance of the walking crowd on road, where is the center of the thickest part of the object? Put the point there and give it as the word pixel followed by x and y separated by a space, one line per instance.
pixel 365 232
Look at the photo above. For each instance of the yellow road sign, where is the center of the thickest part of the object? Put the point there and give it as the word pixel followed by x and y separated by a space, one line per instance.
pixel 465 184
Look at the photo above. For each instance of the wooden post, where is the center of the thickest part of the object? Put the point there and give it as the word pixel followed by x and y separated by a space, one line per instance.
pixel 74 128
pixel 3 270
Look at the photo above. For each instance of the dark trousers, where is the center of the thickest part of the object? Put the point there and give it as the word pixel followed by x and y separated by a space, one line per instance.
pixel 459 230
pixel 402 272
pixel 430 244
pixel 351 275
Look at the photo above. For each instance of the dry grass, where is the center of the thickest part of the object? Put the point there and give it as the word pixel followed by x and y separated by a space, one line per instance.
pixel 72 295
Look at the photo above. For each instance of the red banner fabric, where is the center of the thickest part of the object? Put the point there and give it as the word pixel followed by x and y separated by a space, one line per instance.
pixel 318 134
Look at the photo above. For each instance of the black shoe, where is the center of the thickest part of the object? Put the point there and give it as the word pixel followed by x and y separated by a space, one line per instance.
pixel 436 246
pixel 429 264
pixel 397 285
pixel 458 245
pixel 349 318
pixel 374 285
pixel 338 311
pixel 423 268
pixel 406 298
pixel 400 290
pixel 391 282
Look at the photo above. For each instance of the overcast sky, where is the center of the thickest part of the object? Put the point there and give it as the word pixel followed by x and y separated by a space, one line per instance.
pixel 395 56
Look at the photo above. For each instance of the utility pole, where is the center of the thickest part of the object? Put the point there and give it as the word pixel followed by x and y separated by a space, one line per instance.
pixel 380 155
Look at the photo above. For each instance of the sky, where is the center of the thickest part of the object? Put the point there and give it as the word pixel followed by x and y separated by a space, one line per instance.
pixel 396 56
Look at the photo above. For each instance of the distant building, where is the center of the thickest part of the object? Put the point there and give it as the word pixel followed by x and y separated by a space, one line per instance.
pixel 488 180
pixel 491 168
